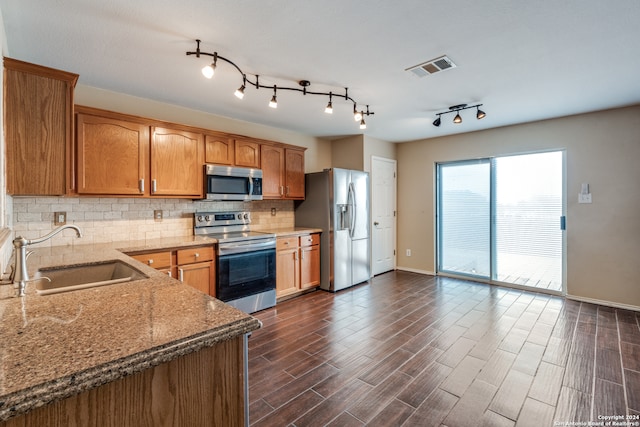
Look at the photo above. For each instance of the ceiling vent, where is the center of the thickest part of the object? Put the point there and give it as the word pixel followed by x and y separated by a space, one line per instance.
pixel 433 66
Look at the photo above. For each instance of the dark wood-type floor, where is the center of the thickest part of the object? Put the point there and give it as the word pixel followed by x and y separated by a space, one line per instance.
pixel 415 350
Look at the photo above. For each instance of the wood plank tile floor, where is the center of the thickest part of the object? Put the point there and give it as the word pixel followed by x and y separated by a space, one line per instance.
pixel 414 350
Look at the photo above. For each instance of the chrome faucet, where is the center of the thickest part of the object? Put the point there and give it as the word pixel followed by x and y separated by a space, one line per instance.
pixel 20 274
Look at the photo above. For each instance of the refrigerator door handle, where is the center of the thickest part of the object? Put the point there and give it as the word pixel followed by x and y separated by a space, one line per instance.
pixel 352 209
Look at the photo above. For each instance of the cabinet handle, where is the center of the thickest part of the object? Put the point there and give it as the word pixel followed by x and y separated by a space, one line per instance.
pixel 287 192
pixel 181 273
pixel 154 186
pixel 150 262
pixel 169 273
pixel 196 255
pixel 141 185
pixel 302 253
pixel 295 255
pixel 282 190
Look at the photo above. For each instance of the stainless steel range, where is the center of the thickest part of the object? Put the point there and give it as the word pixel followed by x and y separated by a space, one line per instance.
pixel 246 262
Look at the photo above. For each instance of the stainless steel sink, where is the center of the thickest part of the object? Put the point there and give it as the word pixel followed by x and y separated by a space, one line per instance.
pixel 81 276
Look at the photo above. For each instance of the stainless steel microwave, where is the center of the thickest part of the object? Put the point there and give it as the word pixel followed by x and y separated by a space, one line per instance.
pixel 232 183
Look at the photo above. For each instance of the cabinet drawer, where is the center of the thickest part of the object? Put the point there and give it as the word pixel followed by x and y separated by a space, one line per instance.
pixel 286 243
pixel 201 254
pixel 310 240
pixel 157 260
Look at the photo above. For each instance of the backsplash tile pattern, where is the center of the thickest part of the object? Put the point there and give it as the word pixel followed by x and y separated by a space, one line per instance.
pixel 105 220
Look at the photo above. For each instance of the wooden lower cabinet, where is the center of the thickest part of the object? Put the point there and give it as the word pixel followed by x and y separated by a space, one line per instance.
pixel 205 388
pixel 297 264
pixel 194 266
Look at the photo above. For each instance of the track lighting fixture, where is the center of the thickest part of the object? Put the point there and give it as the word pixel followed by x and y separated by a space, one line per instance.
pixel 209 70
pixel 274 101
pixel 329 108
pixel 458 118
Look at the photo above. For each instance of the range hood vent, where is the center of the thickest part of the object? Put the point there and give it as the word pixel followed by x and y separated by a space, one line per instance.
pixel 433 66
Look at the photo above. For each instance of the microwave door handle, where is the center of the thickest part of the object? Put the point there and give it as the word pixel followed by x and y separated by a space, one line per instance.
pixel 250 186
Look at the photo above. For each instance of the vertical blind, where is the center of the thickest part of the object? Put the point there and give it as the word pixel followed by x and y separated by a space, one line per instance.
pixel 500 219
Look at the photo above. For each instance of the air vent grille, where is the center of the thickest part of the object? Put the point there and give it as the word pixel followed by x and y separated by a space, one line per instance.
pixel 433 66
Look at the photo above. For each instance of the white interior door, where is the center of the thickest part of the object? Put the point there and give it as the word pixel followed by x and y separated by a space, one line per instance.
pixel 383 214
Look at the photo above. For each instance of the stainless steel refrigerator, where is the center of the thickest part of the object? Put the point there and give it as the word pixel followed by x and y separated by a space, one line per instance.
pixel 337 201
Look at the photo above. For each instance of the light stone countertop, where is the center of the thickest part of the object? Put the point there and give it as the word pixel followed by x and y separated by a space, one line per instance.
pixel 55 346
pixel 294 231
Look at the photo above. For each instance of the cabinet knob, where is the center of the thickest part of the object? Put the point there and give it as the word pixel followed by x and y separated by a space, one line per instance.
pixel 150 262
pixel 196 255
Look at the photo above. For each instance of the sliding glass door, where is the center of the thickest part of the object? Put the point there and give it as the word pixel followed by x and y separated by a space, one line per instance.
pixel 501 219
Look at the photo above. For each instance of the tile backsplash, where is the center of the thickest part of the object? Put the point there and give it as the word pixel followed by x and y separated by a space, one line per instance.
pixel 105 220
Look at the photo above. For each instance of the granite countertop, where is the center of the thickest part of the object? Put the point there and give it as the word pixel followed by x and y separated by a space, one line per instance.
pixel 293 231
pixel 58 345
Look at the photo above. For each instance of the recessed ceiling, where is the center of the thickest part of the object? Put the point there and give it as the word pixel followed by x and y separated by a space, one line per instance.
pixel 524 61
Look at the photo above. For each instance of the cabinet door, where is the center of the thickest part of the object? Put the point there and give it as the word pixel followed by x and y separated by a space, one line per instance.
pixel 199 276
pixel 287 272
pixel 111 156
pixel 219 150
pixel 247 153
pixel 309 266
pixel 272 172
pixel 294 174
pixel 174 155
pixel 38 125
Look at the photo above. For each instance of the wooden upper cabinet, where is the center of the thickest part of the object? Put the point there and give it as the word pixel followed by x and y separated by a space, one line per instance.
pixel 294 173
pixel 175 155
pixel 220 149
pixel 282 172
pixel 247 153
pixel 112 156
pixel 272 172
pixel 38 124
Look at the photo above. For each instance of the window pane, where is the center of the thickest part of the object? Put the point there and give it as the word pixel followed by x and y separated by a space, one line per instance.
pixel 528 211
pixel 464 207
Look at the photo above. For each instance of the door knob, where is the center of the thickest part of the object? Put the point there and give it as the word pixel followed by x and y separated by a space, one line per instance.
pixel 376 223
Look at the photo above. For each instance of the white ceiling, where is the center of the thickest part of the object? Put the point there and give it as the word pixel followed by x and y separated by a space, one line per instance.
pixel 523 60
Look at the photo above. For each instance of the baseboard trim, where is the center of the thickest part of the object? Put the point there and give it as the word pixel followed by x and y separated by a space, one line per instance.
pixel 603 302
pixel 415 270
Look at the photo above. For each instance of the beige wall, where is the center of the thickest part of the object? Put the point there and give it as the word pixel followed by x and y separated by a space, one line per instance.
pixel 603 238
pixel 317 156
pixel 355 152
pixel 347 153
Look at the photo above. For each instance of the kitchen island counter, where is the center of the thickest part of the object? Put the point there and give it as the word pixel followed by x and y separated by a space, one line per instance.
pixel 59 345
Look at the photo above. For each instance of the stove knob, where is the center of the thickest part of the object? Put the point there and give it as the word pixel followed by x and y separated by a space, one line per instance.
pixel 207 218
pixel 246 216
pixel 199 218
pixel 239 216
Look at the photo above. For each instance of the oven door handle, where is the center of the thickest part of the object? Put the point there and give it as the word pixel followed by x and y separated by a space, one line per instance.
pixel 236 248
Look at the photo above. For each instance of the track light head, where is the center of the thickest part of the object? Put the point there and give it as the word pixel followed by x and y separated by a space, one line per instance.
pixel 437 121
pixel 274 101
pixel 480 114
pixel 457 119
pixel 208 71
pixel 329 108
pixel 363 125
pixel 239 93
pixel 357 115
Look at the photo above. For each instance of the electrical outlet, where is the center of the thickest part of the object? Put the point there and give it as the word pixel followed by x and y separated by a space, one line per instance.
pixel 273 211
pixel 59 218
pixel 408 252
pixel 157 215
pixel 584 198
